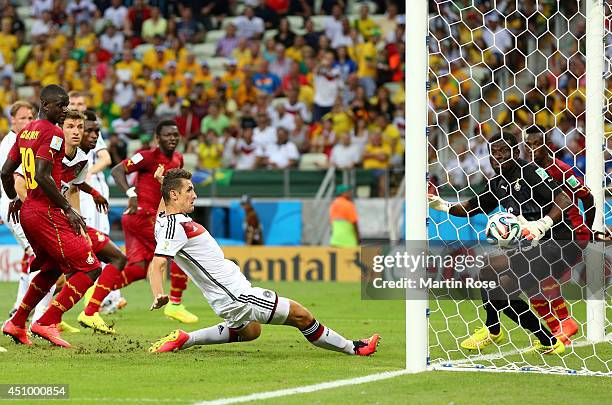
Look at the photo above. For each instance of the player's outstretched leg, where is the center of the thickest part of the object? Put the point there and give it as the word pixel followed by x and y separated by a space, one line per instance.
pixel 175 309
pixel 551 307
pixel 74 289
pixel 287 313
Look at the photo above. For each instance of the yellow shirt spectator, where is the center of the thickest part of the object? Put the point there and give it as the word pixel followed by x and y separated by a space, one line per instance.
pixel 342 122
pixel 8 45
pixel 365 54
pixel 133 66
pixel 365 26
pixel 36 70
pixel 86 42
pixel 232 79
pixel 210 155
pixel 376 156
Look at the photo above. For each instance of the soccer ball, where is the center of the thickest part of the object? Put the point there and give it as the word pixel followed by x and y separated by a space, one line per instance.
pixel 503 229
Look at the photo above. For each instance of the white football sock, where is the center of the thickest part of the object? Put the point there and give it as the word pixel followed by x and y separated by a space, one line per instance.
pixel 24 283
pixel 43 305
pixel 325 338
pixel 209 336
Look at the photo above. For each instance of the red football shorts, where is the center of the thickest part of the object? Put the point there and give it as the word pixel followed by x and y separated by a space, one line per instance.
pixel 54 241
pixel 139 229
pixel 98 239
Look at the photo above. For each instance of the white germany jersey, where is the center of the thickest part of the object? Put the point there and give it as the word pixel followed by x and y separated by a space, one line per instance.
pixel 5 147
pixel 74 171
pixel 197 253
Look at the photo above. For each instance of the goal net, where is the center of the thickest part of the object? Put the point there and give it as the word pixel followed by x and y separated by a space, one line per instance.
pixel 505 66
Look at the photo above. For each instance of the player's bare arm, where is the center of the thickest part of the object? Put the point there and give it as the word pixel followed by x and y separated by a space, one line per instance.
pixel 99 200
pixel 157 269
pixel 119 174
pixel 104 161
pixel 459 209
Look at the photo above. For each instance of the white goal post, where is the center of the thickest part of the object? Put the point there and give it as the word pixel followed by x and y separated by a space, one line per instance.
pixel 418 324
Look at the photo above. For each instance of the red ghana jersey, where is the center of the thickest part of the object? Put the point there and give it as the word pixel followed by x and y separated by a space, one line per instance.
pixel 574 187
pixel 145 163
pixel 40 139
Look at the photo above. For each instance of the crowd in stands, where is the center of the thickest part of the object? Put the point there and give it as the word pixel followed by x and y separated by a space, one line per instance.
pixel 505 66
pixel 251 84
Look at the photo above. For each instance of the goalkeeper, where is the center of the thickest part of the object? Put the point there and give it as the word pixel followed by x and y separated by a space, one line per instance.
pixel 527 191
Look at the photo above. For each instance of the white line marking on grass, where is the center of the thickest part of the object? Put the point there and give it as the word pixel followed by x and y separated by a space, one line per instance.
pixel 305 389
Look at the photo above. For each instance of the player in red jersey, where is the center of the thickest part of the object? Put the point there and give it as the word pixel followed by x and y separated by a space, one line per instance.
pixel 139 221
pixel 550 305
pixel 53 228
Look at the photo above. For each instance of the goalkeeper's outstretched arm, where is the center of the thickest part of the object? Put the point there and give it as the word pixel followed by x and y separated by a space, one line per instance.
pixel 483 203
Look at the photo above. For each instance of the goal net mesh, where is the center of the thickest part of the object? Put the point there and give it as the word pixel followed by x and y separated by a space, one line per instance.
pixel 504 66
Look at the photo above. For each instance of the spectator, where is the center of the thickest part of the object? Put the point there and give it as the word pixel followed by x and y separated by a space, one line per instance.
pixel 343 218
pixel 343 37
pixel 8 42
pixel 296 50
pixel 285 36
pixel 129 63
pixel 246 93
pixel 245 150
pixel 39 67
pixel 293 74
pixel 333 23
pixel 341 117
pixel 108 110
pixel 227 44
pixel 295 107
pixel 170 108
pixel 188 124
pixel 376 157
pixel 148 120
pixel 281 65
pixel 210 152
pixel 344 155
pixel 264 134
pixel 232 77
pixel 116 14
pixel 323 137
pixel 215 120
pixel 497 37
pixel 365 24
pixel 299 135
pixel 388 23
pixel 366 56
pixel 156 24
pixel 40 6
pixel 137 15
pixel 41 26
pixel 249 26
pixel 327 86
pixel 282 154
pixel 311 36
pixel 117 148
pixel 344 63
pixel 81 10
pixel 125 126
pixel 253 231
pixel 124 89
pixel 188 29
pixel 265 81
pixel 112 40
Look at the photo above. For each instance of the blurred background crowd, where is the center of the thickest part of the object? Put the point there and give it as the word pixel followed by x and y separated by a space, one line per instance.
pixel 250 83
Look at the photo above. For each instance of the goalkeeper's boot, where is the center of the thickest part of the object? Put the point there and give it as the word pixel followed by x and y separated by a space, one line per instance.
pixel 171 343
pixel 538 347
pixel 180 313
pixel 19 335
pixel 482 338
pixel 64 327
pixel 568 328
pixel 95 322
pixel 50 333
pixel 367 347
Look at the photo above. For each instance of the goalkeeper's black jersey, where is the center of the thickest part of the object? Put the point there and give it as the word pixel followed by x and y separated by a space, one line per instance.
pixel 526 190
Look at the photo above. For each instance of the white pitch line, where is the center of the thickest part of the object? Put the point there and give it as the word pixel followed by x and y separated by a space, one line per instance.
pixel 305 389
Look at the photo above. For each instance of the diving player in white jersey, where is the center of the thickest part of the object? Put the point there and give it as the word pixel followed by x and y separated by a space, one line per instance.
pixel 243 307
pixel 22 113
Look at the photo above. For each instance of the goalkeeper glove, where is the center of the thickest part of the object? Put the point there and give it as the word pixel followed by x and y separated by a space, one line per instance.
pixel 535 230
pixel 437 203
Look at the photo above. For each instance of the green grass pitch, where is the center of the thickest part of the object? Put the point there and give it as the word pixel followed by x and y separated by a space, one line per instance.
pixel 104 369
